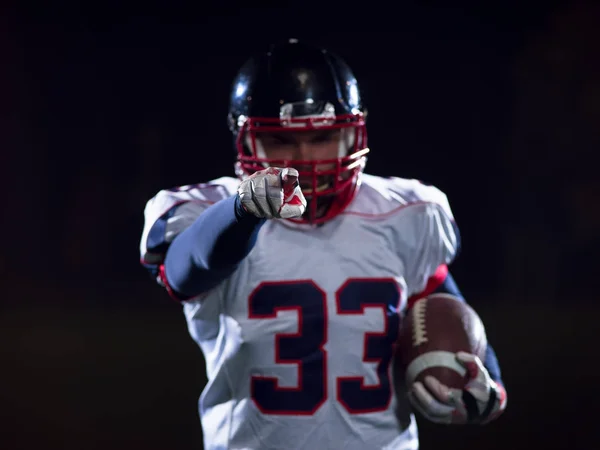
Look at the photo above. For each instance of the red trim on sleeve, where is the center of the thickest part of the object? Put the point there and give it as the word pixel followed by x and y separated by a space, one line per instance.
pixel 163 277
pixel 433 283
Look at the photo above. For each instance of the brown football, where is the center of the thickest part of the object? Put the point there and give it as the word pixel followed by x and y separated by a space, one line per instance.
pixel 434 329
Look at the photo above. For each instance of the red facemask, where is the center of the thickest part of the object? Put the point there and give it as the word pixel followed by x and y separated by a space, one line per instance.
pixel 327 191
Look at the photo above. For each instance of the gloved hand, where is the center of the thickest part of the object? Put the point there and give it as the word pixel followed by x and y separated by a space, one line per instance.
pixel 273 193
pixel 481 401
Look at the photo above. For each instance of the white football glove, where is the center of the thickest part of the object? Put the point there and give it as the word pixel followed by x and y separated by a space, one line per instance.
pixel 273 193
pixel 481 401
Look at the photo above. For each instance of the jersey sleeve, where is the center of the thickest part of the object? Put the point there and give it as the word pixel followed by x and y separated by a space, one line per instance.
pixel 435 238
pixel 170 212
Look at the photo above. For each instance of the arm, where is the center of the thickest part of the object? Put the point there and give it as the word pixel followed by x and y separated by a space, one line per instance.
pixel 436 243
pixel 483 399
pixel 191 248
pixel 210 249
pixel 449 286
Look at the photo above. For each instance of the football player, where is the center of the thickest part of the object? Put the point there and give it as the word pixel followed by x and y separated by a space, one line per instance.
pixel 294 275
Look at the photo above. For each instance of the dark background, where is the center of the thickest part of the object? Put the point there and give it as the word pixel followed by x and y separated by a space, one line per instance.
pixel 104 106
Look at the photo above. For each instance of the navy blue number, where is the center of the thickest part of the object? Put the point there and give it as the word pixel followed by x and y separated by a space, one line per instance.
pixel 352 298
pixel 304 348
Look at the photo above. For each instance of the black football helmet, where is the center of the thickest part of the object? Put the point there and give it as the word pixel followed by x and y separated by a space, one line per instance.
pixel 293 87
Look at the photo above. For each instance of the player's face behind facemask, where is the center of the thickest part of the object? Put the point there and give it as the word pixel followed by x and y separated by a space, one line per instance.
pixel 328 161
pixel 320 147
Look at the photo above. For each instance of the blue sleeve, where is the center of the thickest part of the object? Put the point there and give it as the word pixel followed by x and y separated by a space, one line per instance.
pixel 210 249
pixel 449 286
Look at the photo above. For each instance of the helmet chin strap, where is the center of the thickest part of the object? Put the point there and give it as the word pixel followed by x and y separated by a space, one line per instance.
pixel 258 147
pixel 347 140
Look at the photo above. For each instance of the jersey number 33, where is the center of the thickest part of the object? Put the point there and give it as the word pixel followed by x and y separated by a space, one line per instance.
pixel 306 347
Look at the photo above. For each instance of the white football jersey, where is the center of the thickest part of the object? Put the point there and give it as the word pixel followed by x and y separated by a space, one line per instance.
pixel 298 342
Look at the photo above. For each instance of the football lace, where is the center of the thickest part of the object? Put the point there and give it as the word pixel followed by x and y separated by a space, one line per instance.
pixel 419 330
